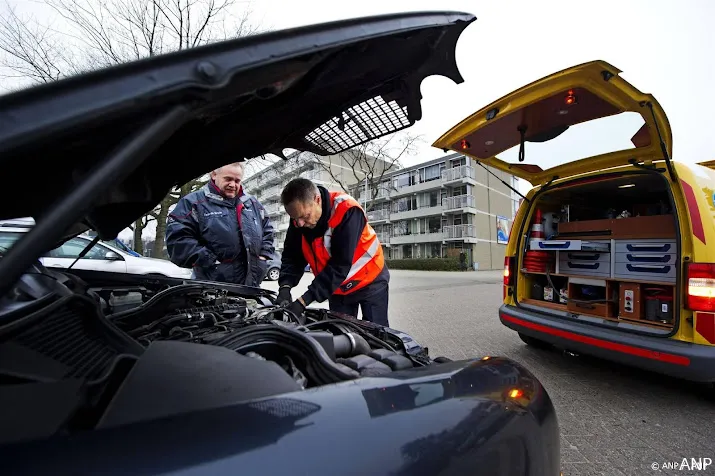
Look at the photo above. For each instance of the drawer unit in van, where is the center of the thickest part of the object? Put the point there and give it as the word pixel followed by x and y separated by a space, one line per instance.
pixel 647 260
pixel 645 246
pixel 645 272
pixel 584 263
pixel 572 245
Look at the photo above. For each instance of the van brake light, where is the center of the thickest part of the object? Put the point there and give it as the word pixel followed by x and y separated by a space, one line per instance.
pixel 508 271
pixel 701 286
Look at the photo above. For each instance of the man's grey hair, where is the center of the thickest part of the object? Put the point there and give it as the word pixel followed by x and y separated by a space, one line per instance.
pixel 300 189
pixel 241 165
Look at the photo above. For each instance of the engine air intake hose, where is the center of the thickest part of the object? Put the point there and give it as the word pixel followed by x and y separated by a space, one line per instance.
pixel 350 344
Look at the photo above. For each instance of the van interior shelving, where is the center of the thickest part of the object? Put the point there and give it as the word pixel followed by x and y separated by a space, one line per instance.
pixel 608 250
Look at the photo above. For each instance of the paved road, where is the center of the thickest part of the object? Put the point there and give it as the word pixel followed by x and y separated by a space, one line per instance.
pixel 614 420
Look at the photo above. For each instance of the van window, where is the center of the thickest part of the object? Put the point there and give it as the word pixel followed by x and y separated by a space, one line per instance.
pixel 596 137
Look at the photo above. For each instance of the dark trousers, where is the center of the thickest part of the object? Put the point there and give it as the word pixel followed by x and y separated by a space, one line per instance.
pixel 373 305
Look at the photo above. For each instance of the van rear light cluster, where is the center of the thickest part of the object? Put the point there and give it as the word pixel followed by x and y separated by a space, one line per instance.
pixel 701 287
pixel 509 270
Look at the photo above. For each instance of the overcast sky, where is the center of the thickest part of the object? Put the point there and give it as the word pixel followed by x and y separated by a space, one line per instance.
pixel 663 47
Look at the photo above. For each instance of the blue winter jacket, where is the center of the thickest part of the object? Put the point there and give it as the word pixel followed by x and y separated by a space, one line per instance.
pixel 203 232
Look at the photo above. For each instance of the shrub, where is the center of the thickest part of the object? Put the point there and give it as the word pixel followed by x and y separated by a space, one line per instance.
pixel 425 264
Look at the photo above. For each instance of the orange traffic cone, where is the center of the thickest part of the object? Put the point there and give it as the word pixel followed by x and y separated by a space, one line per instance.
pixel 537 261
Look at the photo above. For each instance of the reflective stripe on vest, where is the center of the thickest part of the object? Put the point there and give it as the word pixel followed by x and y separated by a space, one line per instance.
pixel 365 258
pixel 368 260
pixel 328 236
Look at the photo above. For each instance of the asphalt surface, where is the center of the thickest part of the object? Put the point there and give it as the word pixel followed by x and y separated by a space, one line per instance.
pixel 614 420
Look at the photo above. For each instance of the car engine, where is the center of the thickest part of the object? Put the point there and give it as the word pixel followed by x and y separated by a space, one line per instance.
pixel 121 349
pixel 316 349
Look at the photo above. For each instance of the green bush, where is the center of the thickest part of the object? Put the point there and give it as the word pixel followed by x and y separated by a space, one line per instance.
pixel 425 264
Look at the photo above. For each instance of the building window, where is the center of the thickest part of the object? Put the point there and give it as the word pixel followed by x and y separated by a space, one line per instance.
pixel 406 251
pixel 404 204
pixel 461 190
pixel 404 180
pixel 432 173
pixel 400 229
pixel 434 224
pixel 459 162
pixel 433 198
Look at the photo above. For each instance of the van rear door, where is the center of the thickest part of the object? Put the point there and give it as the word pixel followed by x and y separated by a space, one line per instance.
pixel 547 108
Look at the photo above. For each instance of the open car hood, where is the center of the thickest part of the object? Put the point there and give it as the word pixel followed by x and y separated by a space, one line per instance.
pixel 545 109
pixel 323 89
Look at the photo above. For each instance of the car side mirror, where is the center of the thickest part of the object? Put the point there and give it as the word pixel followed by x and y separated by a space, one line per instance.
pixel 112 256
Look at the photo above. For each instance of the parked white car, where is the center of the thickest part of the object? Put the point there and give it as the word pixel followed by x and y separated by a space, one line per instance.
pixel 101 257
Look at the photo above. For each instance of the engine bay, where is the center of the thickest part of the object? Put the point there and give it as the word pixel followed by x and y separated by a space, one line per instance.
pixel 108 352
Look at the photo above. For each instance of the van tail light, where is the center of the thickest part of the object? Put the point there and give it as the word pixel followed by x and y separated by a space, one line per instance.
pixel 701 287
pixel 508 274
pixel 509 270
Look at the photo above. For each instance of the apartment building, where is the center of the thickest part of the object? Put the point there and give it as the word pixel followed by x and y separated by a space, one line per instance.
pixel 442 208
pixel 332 172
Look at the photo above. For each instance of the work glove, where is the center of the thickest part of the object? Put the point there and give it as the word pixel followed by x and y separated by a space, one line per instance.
pixel 296 309
pixel 284 298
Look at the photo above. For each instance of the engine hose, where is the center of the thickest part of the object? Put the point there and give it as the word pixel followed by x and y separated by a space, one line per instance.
pixel 350 344
pixel 363 333
pixel 326 370
pixel 157 299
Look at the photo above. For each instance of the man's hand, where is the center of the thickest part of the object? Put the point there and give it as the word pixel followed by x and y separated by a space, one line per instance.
pixel 284 297
pixel 296 308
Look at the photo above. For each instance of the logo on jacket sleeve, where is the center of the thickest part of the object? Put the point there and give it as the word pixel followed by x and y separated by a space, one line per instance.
pixel 349 285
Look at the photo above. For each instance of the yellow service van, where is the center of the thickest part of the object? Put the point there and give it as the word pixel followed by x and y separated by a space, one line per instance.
pixel 612 254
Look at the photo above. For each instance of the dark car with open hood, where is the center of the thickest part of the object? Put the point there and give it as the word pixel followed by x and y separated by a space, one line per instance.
pixel 109 373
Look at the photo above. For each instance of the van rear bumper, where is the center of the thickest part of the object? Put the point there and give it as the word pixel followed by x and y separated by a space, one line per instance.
pixel 670 357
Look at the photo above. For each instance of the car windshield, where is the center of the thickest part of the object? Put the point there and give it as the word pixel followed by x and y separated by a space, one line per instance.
pixel 7 240
pixel 116 244
pixel 70 249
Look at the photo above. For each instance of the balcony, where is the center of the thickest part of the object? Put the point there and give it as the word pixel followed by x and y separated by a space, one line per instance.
pixel 463 174
pixel 313 174
pixel 417 238
pixel 378 215
pixel 275 174
pixel 382 194
pixel 459 202
pixel 384 238
pixel 418 212
pixel 460 232
pixel 271 192
pixel 283 223
pixel 274 209
pixel 415 188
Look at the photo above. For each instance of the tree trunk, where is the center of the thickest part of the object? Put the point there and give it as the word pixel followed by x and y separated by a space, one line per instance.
pixel 138 243
pixel 160 237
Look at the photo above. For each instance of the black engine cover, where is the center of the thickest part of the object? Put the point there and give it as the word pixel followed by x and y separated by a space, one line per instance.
pixel 177 377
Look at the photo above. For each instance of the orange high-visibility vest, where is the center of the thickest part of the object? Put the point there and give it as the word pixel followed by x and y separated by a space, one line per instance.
pixel 368 259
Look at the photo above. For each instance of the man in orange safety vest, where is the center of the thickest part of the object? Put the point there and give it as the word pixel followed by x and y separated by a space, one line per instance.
pixel 329 231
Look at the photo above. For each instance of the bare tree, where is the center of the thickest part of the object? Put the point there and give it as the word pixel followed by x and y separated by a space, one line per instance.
pixel 369 163
pixel 101 33
pixel 161 212
pixel 138 228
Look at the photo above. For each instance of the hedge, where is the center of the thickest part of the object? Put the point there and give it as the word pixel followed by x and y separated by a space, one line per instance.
pixel 425 264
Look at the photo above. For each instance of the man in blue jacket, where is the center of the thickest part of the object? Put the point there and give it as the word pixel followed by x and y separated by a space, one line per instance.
pixel 222 232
